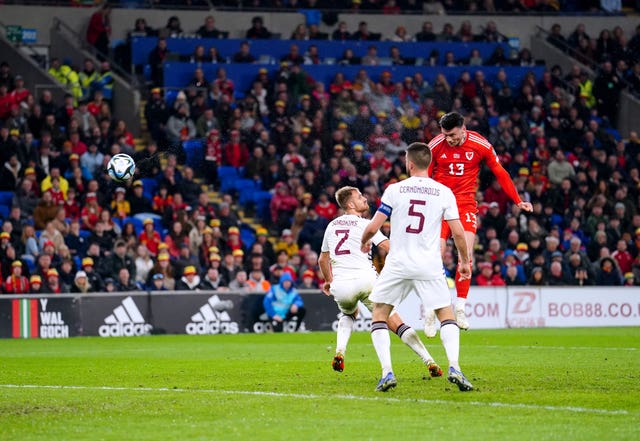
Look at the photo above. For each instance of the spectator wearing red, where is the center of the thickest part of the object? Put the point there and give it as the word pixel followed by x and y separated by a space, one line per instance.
pixel 19 94
pixel 487 277
pixel 90 213
pixel 99 29
pixel 339 84
pixel 623 257
pixel 6 101
pixel 16 283
pixel 495 193
pixel 379 162
pixel 388 86
pixel 176 237
pixel 236 153
pixel 163 200
pixel 234 242
pixel 213 156
pixel 282 266
pixel 224 84
pixel 149 237
pixel 53 284
pixel 537 176
pixel 282 205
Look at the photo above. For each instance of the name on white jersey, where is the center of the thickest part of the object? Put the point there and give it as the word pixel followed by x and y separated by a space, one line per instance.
pixel 420 190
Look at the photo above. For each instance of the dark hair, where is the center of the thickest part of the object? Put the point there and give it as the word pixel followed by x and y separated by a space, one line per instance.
pixel 420 154
pixel 451 120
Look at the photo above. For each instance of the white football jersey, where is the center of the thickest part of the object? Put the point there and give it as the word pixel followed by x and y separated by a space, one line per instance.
pixel 342 241
pixel 417 207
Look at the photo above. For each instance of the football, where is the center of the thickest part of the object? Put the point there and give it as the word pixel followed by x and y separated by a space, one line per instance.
pixel 121 167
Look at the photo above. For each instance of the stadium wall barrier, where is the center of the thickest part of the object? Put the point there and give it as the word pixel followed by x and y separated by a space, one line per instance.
pixel 179 74
pixel 199 313
pixel 142 46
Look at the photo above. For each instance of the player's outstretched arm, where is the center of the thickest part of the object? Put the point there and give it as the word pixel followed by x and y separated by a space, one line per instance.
pixel 508 186
pixel 370 230
pixel 457 231
pixel 324 261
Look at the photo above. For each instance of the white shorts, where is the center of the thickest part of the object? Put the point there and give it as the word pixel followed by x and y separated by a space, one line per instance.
pixel 347 292
pixel 392 290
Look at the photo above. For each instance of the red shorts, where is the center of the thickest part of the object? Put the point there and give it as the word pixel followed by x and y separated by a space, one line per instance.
pixel 468 214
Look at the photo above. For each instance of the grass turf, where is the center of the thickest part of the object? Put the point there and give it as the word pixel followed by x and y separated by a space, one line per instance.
pixel 533 384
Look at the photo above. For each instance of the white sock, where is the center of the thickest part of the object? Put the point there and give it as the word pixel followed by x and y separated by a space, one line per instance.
pixel 382 345
pixel 411 338
pixel 461 303
pixel 450 336
pixel 345 326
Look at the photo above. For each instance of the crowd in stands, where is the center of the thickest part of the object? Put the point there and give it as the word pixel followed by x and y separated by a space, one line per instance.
pixel 416 6
pixel 70 228
pixel 615 55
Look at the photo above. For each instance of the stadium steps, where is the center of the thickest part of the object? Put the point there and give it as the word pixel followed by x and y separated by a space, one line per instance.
pixel 214 196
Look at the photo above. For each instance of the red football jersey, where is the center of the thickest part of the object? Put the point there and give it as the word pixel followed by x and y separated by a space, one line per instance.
pixel 458 167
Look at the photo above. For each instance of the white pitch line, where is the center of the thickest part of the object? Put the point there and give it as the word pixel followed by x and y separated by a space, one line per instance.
pixel 573 409
pixel 561 348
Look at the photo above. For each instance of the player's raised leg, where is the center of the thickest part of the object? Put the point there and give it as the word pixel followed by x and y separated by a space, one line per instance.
pixel 410 337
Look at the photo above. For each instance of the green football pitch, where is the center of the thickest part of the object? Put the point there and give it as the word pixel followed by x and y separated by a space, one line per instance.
pixel 533 384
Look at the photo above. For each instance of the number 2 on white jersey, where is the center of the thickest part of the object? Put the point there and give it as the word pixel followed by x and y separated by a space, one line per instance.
pixel 343 235
pixel 456 169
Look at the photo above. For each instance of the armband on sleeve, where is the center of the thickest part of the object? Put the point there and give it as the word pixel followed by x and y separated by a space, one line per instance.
pixel 385 209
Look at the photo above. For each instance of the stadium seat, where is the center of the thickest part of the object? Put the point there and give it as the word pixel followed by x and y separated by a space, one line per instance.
pixel 227 176
pixel 4 211
pixel 146 72
pixel 194 150
pixel 170 97
pixel 150 186
pixel 261 201
pixel 245 187
pixel 6 197
pixel 247 235
pixel 137 223
pixel 85 234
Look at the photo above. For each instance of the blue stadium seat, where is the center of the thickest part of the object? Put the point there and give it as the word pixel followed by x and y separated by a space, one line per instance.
pixel 245 188
pixel 170 97
pixel 137 223
pixel 247 235
pixel 150 186
pixel 6 197
pixel 146 72
pixel 4 211
pixel 85 233
pixel 194 150
pixel 157 221
pixel 228 176
pixel 261 201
